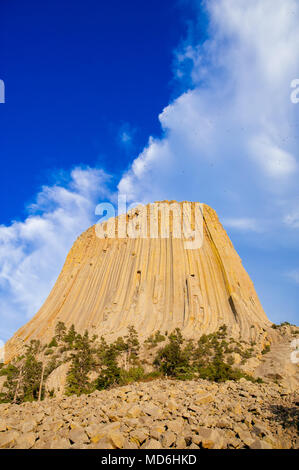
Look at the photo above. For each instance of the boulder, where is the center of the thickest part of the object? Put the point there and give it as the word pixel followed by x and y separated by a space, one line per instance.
pixel 8 439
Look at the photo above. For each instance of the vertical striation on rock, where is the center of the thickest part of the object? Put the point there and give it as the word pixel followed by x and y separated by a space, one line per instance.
pixel 107 284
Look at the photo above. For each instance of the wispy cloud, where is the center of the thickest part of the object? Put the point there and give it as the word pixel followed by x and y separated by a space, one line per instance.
pixel 243 224
pixel 126 136
pixel 294 275
pixel 32 252
pixel 292 219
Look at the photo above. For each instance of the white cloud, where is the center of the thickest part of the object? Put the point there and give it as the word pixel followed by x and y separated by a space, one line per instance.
pixel 231 140
pixel 292 219
pixel 275 161
pixel 33 251
pixel 243 224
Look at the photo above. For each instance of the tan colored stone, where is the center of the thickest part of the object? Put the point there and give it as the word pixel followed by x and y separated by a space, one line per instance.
pixel 96 433
pixel 152 444
pixel 60 443
pixel 28 426
pixel 103 443
pixel 139 436
pixel 134 412
pixel 260 444
pixel 78 436
pixel 246 437
pixel 3 425
pixel 171 405
pixel 167 439
pixel 116 438
pixel 8 439
pixel 208 438
pixel 156 431
pixel 25 441
pixel 176 425
pixel 180 442
pixel 154 411
pixel 238 409
pixel 204 399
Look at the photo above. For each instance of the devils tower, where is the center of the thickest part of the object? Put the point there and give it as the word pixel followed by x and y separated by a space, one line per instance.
pixel 157 283
pixel 226 390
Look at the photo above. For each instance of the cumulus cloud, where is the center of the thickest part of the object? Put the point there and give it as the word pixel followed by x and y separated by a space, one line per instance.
pixel 230 140
pixel 32 252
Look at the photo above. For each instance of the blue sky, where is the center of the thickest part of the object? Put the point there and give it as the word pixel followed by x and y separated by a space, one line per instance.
pixel 161 100
pixel 75 74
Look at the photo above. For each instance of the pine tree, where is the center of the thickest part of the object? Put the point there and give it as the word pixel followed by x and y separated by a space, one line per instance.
pixel 133 345
pixel 111 373
pixel 82 364
pixel 172 360
pixel 60 331
pixel 70 336
pixel 12 374
pixel 31 377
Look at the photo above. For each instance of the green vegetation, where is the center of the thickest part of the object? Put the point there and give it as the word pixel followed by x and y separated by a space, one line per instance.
pixel 266 349
pixel 206 360
pixel 95 364
pixel 23 381
pixel 282 324
pixel 154 339
pixel 82 363
pixel 173 359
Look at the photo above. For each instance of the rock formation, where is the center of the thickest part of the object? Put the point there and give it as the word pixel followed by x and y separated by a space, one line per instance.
pixel 154 284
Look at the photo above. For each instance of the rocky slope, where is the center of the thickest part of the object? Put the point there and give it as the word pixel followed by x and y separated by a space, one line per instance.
pixel 159 414
pixel 108 283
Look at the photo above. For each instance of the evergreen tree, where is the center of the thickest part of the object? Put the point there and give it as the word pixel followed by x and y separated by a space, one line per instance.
pixel 111 373
pixel 133 345
pixel 82 364
pixel 70 336
pixel 172 360
pixel 60 331
pixel 31 377
pixel 12 374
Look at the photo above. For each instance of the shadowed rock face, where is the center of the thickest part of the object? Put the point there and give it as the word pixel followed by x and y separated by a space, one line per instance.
pixel 107 284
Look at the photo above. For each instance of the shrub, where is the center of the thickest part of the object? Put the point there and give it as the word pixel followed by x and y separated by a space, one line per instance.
pixel 266 349
pixel 132 375
pixel 53 343
pixel 48 352
pixel 153 340
pixel 220 371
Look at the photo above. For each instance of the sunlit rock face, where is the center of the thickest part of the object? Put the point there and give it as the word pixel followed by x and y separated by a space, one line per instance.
pixel 107 284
